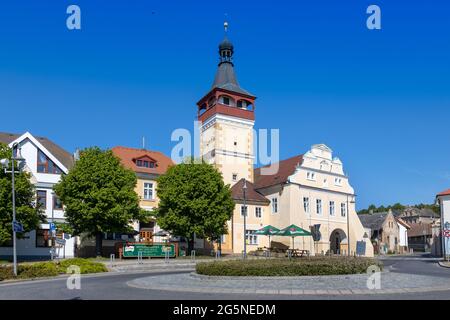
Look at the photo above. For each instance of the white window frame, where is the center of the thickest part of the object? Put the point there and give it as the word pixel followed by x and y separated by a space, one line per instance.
pixel 151 196
pixel 311 176
pixel 343 209
pixel 274 205
pixel 319 207
pixel 260 212
pixel 251 238
pixel 244 208
pixel 233 177
pixel 306 205
pixel 332 208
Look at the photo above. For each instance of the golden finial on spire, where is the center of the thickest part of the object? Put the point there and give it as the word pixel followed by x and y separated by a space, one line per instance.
pixel 225 23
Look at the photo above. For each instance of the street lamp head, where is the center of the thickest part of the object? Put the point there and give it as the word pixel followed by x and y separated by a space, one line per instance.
pixel 4 163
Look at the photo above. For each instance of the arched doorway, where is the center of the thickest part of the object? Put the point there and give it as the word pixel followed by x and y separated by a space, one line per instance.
pixel 336 238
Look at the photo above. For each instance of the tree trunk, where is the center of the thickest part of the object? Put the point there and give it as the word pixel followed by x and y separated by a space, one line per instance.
pixel 99 244
pixel 190 244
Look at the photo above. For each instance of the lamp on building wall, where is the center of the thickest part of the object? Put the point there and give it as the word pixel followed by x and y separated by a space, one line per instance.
pixel 15 157
pixel 244 190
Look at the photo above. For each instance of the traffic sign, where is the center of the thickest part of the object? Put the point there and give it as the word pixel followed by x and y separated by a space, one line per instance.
pixel 61 242
pixel 52 226
pixel 447 225
pixel 446 233
pixel 17 226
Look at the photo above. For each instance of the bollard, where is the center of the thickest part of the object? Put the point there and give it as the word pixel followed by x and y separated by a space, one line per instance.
pixel 167 257
pixel 112 259
pixel 140 260
pixel 218 254
pixel 193 253
pixel 244 256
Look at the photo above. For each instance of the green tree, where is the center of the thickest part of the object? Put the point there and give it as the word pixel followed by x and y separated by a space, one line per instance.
pixel 27 212
pixel 98 195
pixel 194 200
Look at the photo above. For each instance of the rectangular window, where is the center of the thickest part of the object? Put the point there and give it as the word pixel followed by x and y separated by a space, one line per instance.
pixel 319 206
pixel 45 165
pixel 306 204
pixel 42 199
pixel 57 204
pixel 258 212
pixel 343 210
pixel 274 205
pixel 235 176
pixel 311 176
pixel 244 211
pixel 148 191
pixel 42 238
pixel 331 208
pixel 251 238
pixel 226 101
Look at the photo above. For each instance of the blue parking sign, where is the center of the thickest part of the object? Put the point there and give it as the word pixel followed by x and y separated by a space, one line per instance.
pixel 17 226
pixel 52 226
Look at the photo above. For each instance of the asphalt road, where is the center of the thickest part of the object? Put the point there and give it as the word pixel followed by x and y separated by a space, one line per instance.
pixel 114 287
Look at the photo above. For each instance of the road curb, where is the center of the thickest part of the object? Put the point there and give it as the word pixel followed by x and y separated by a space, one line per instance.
pixel 441 263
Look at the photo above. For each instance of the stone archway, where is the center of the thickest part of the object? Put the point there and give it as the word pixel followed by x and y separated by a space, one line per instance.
pixel 336 239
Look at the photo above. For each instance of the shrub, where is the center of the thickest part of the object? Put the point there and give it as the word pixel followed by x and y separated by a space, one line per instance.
pixel 86 266
pixel 50 269
pixel 282 267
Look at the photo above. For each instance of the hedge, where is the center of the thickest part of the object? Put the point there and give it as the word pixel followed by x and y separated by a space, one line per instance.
pixel 50 268
pixel 312 266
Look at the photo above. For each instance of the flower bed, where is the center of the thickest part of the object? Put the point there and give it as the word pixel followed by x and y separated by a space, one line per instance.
pixel 313 266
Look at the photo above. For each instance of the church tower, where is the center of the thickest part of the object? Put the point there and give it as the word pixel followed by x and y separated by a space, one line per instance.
pixel 227 116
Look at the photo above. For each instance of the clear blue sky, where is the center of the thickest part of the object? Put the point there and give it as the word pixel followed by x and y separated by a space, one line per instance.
pixel 379 99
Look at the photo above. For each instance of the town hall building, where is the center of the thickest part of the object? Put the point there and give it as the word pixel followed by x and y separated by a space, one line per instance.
pixel 308 189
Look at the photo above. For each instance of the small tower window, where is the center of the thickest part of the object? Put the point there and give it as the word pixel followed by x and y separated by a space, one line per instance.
pixel 235 176
pixel 226 101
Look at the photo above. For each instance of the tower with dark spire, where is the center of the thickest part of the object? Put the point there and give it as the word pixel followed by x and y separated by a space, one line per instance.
pixel 227 116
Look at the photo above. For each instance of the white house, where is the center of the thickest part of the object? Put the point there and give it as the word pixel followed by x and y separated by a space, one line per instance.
pixel 46 162
pixel 403 228
pixel 444 201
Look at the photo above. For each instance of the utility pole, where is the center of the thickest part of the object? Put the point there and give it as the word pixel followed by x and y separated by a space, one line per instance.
pixel 244 189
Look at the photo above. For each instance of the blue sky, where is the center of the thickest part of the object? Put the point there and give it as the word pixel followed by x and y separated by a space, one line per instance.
pixel 379 99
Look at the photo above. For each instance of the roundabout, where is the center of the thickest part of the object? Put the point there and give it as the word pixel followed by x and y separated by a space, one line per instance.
pixel 359 284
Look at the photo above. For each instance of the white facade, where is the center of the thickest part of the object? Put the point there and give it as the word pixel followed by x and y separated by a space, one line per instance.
pixel 35 245
pixel 444 201
pixel 403 235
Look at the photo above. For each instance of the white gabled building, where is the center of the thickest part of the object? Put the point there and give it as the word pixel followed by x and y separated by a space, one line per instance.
pixel 46 162
pixel 443 199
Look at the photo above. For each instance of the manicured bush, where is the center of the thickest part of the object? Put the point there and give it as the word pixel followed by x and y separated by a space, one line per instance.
pixel 50 268
pixel 312 266
pixel 86 266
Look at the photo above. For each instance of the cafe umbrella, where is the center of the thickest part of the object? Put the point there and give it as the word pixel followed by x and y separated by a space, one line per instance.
pixel 267 231
pixel 293 231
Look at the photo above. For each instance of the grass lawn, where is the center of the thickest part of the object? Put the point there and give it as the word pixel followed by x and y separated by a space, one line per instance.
pixel 312 266
pixel 30 270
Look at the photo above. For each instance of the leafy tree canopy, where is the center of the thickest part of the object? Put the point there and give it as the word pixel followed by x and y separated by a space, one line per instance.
pixel 98 194
pixel 397 207
pixel 194 199
pixel 27 212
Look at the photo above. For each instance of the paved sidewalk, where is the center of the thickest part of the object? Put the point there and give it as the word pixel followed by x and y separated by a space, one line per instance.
pixel 317 285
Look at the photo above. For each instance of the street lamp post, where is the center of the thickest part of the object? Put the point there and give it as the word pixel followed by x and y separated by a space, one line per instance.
pixel 244 189
pixel 5 163
pixel 348 225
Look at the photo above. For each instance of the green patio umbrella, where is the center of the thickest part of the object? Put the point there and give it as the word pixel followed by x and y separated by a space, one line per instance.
pixel 293 231
pixel 268 231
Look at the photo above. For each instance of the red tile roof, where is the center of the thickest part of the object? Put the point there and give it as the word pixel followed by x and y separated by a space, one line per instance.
pixel 418 230
pixel 251 195
pixel 286 168
pixel 128 158
pixel 444 193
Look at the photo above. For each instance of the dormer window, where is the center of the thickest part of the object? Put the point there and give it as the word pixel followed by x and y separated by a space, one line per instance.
pixel 145 163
